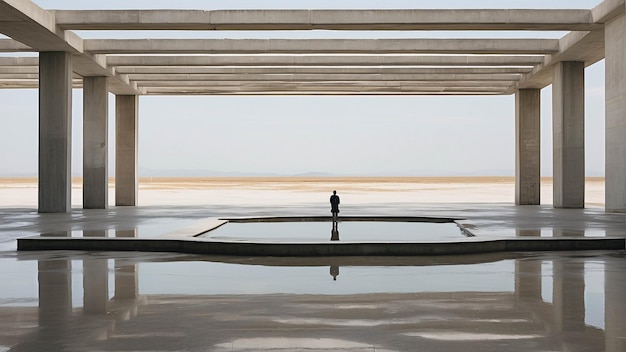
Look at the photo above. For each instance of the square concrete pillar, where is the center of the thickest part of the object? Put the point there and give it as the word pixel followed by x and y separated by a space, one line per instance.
pixel 55 132
pixel 126 181
pixel 95 143
pixel 568 128
pixel 527 147
pixel 615 114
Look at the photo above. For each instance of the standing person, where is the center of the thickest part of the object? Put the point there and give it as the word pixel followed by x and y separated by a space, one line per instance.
pixel 334 205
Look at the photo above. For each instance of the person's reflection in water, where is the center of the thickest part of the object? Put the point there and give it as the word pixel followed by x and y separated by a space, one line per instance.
pixel 334 271
pixel 334 232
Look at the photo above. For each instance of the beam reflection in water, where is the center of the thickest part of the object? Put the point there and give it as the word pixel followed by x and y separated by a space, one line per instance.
pixel 196 303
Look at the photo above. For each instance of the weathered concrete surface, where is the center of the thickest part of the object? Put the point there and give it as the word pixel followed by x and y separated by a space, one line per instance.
pixel 405 19
pixel 322 60
pixel 95 143
pixel 568 128
pixel 321 46
pixel 615 114
pixel 379 70
pixel 126 161
pixel 55 132
pixel 527 147
pixel 36 28
pixel 332 76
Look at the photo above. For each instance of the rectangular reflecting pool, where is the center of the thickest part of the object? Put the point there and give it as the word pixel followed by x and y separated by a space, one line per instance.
pixel 345 231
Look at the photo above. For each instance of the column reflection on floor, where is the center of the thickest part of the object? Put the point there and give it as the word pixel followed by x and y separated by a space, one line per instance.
pixel 432 321
pixel 126 281
pixel 95 280
pixel 615 307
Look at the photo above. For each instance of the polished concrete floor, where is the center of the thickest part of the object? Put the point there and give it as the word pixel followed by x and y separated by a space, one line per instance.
pixel 129 301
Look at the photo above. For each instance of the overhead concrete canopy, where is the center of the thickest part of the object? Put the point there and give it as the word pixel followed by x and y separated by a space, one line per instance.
pixel 161 66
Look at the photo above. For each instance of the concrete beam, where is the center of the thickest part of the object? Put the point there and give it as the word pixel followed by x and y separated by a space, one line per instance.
pixel 19 61
pixel 365 20
pixel 95 143
pixel 587 47
pixel 194 70
pixel 321 46
pixel 5 70
pixel 451 91
pixel 607 11
pixel 34 29
pixel 576 46
pixel 243 77
pixel 19 76
pixel 568 127
pixel 29 83
pixel 352 60
pixel 527 147
pixel 323 90
pixel 55 132
pixel 126 181
pixel 285 85
pixel 13 46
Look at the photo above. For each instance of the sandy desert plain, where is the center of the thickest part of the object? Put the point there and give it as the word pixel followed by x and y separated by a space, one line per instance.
pixel 284 191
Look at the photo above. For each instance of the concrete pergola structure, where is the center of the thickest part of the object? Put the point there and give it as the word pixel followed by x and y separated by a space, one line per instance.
pixel 129 68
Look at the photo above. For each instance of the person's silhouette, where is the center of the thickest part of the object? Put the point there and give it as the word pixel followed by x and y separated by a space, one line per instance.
pixel 334 205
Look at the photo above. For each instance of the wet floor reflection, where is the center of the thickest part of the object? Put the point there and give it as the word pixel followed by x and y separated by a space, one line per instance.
pixel 427 304
pixel 351 231
pixel 334 232
pixel 560 232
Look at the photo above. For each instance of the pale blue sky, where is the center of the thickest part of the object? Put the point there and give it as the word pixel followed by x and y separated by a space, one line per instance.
pixel 421 135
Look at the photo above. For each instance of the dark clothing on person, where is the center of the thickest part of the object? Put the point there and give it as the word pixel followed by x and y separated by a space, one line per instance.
pixel 334 204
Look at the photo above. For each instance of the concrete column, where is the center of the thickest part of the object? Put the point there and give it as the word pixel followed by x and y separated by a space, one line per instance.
pixel 55 132
pixel 615 114
pixel 568 126
pixel 95 143
pixel 527 147
pixel 126 183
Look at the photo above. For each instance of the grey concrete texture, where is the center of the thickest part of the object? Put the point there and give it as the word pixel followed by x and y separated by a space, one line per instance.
pixel 55 132
pixel 615 105
pixel 568 130
pixel 126 150
pixel 45 30
pixel 95 143
pixel 405 19
pixel 527 147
